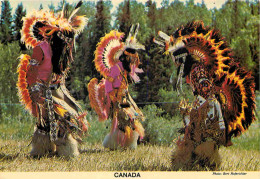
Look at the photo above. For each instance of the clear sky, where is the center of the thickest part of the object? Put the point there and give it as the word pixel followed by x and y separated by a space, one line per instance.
pixel 29 5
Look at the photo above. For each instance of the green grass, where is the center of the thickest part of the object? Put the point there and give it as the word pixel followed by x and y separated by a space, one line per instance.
pixel 16 124
pixel 160 129
pixel 155 155
pixel 249 140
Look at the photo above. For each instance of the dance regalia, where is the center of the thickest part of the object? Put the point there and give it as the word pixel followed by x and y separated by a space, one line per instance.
pixel 115 60
pixel 224 93
pixel 60 122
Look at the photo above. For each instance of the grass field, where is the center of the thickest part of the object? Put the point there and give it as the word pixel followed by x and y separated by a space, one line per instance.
pixel 15 136
pixel 14 157
pixel 244 155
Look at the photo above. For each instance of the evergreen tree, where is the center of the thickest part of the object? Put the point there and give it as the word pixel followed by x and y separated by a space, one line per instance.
pixel 238 24
pixel 102 19
pixel 6 22
pixel 51 7
pixel 123 19
pixel 18 23
pixel 41 7
pixel 8 75
pixel 165 3
pixel 246 41
pixel 235 19
pixel 203 5
pixel 204 14
pixel 83 68
pixel 101 27
pixel 80 68
pixel 176 14
pixel 254 46
pixel 81 72
pixel 223 20
pixel 214 12
pixel 68 8
pixel 140 16
pixel 151 14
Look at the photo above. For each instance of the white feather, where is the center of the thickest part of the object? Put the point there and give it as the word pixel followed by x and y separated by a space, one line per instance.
pixel 112 44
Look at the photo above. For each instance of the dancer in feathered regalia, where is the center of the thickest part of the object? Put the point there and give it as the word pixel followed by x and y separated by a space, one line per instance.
pixel 115 60
pixel 224 93
pixel 61 122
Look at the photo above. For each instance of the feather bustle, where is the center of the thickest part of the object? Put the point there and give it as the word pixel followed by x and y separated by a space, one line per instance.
pixel 22 84
pixel 236 84
pixel 97 98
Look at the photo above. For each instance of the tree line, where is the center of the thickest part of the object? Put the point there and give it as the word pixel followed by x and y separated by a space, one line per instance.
pixel 238 22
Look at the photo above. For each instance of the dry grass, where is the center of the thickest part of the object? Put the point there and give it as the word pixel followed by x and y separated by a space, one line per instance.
pixel 234 159
pixel 14 158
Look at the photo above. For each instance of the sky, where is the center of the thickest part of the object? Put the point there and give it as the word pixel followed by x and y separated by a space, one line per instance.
pixel 29 5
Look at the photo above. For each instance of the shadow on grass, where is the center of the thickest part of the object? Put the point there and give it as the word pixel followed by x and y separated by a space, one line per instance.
pixel 91 151
pixel 4 157
pixel 48 155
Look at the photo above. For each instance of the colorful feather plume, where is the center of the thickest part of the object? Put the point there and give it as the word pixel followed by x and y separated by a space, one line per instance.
pixel 139 128
pixel 60 110
pixel 128 132
pixel 98 99
pixel 40 25
pixel 237 97
pixel 207 46
pixel 22 84
pixel 30 35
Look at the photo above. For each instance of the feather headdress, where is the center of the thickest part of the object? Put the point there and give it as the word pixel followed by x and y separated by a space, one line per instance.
pixel 106 50
pixel 40 25
pixel 111 47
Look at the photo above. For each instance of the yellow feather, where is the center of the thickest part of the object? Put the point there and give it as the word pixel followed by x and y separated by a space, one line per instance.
pixel 128 132
pixel 60 111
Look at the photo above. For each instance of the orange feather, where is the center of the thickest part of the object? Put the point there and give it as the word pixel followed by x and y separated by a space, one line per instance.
pixel 23 92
